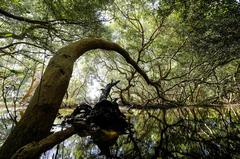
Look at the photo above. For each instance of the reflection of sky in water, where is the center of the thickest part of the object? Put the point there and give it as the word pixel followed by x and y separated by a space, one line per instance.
pixel 70 146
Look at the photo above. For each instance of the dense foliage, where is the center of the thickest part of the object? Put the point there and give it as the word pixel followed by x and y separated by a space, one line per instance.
pixel 188 50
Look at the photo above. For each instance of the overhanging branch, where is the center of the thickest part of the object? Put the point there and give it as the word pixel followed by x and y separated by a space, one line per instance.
pixel 19 18
pixel 44 105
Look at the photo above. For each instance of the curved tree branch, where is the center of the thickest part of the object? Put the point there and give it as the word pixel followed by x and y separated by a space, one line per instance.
pixel 90 44
pixel 43 107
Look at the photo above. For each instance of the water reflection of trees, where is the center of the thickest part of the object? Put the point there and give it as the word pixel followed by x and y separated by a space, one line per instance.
pixel 198 133
pixel 176 133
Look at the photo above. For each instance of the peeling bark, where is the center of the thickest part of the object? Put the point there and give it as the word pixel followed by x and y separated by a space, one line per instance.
pixel 43 107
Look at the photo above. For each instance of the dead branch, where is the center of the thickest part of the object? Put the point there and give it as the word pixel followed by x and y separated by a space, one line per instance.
pixel 107 89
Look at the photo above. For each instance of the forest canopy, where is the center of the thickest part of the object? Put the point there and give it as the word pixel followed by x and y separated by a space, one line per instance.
pixel 173 53
pixel 189 50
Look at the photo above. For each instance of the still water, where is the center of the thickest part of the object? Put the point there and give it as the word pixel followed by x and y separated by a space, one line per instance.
pixel 173 133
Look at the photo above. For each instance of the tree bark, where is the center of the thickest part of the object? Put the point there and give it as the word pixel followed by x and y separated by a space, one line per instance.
pixel 43 107
pixel 34 149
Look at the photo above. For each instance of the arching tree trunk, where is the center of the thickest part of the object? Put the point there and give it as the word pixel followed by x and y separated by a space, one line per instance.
pixel 43 107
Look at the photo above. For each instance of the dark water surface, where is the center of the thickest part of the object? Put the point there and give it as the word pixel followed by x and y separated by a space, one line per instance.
pixel 174 133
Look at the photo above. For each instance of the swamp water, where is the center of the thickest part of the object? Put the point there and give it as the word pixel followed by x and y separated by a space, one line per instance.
pixel 173 133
